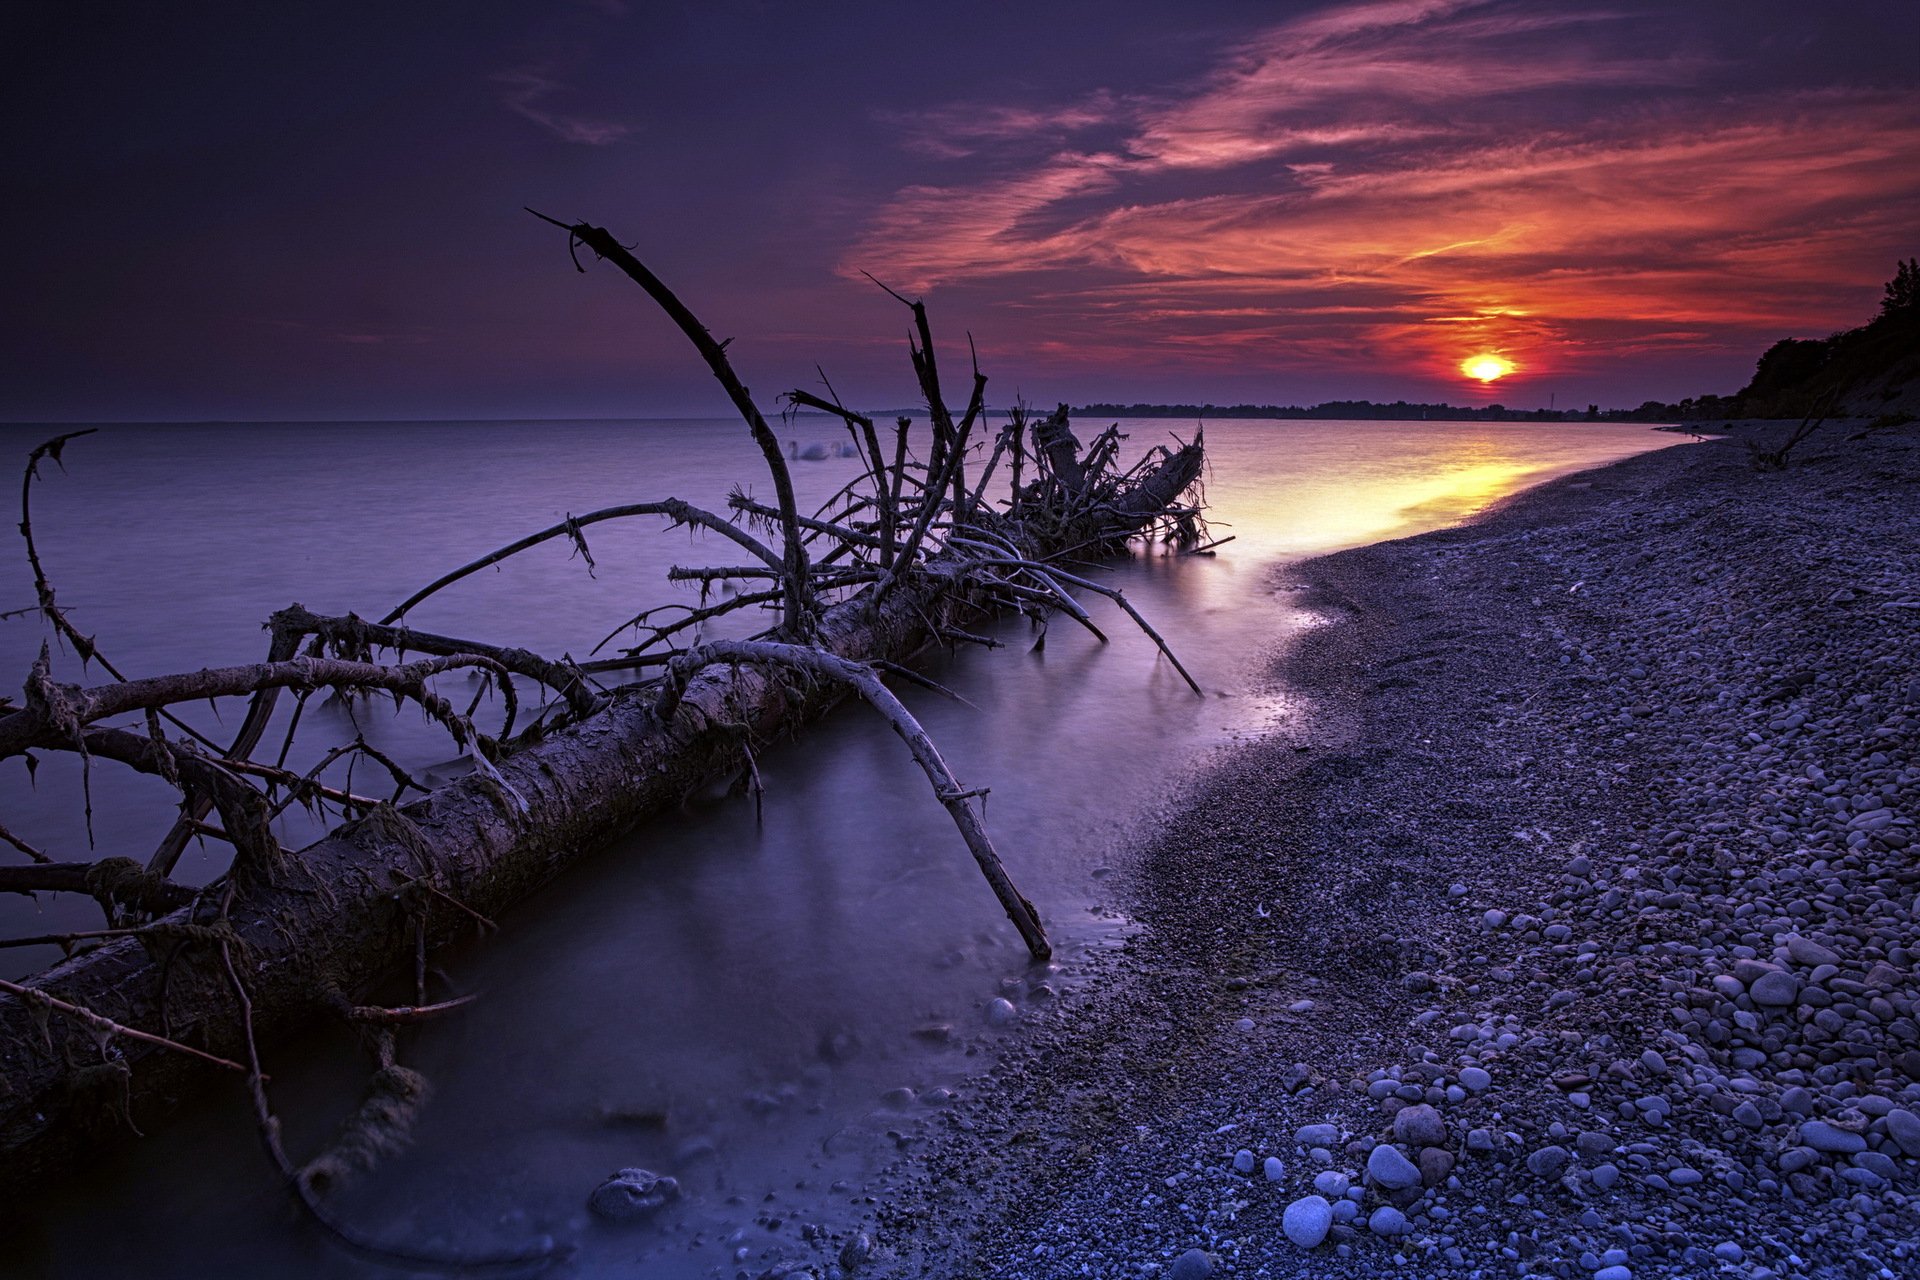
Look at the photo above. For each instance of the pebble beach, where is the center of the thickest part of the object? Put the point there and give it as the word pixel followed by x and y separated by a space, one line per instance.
pixel 1568 927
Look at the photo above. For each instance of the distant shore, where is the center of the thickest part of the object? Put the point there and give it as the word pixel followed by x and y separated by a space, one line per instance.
pixel 1397 411
pixel 1570 929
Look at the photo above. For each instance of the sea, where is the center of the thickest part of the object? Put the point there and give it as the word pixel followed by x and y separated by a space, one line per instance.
pixel 772 1000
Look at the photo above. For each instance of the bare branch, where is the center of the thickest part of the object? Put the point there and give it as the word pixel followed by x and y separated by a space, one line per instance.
pixel 714 353
pixel 35 727
pixel 34 995
pixel 863 680
pixel 680 513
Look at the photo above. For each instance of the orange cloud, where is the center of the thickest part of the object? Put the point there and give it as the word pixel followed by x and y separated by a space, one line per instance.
pixel 1423 181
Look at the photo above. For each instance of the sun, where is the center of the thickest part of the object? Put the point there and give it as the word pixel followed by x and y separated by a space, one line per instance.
pixel 1486 367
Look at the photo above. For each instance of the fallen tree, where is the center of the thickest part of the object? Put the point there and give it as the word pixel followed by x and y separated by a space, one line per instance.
pixel 185 984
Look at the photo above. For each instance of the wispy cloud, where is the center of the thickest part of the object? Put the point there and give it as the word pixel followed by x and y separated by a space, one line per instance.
pixel 958 131
pixel 1417 179
pixel 530 91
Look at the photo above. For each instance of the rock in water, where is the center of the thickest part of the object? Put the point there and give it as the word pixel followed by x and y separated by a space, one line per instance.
pixel 1307 1221
pixel 1191 1265
pixel 1001 1013
pixel 633 1194
pixel 1390 1169
pixel 856 1251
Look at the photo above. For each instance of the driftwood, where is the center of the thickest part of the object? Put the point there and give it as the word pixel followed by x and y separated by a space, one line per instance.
pixel 911 555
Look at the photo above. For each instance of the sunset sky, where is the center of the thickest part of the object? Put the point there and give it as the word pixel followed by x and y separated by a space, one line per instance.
pixel 314 210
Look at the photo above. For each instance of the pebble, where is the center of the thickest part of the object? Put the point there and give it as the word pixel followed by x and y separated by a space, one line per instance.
pixel 1001 1013
pixel 1243 1161
pixel 1331 1183
pixel 1419 1126
pixel 1386 1166
pixel 1548 1161
pixel 1776 990
pixel 1307 1221
pixel 632 1195
pixel 1191 1265
pixel 857 1250
pixel 1810 953
pixel 1475 1079
pixel 1274 1169
pixel 1317 1135
pixel 1388 1222
pixel 1903 1127
pixel 1831 1139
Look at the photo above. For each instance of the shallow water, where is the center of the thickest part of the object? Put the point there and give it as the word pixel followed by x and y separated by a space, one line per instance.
pixel 727 997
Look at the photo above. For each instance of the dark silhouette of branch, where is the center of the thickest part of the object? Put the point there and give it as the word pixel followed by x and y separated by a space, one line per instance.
pixel 714 353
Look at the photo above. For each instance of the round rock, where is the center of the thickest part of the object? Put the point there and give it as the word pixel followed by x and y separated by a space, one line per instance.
pixel 1776 990
pixel 1307 1221
pixel 1389 1222
pixel 1191 1265
pixel 1419 1126
pixel 1903 1127
pixel 1547 1162
pixel 1392 1170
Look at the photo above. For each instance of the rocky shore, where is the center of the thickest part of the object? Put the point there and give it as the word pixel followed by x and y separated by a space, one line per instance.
pixel 1571 929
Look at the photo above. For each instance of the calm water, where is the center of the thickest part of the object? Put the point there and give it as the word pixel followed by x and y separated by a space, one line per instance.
pixel 768 987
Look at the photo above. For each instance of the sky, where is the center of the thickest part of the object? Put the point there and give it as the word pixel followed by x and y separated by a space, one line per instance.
pixel 315 211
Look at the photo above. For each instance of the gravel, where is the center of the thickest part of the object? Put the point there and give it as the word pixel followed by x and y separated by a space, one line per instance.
pixel 1576 903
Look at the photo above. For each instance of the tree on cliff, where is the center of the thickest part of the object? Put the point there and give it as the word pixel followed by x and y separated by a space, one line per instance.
pixel 1903 291
pixel 1868 371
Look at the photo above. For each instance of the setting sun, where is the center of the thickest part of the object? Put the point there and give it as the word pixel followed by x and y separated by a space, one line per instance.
pixel 1486 368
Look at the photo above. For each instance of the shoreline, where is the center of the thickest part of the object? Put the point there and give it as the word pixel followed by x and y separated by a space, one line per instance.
pixel 1541 896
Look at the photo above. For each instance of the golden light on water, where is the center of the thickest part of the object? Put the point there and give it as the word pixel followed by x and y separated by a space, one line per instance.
pixel 1486 367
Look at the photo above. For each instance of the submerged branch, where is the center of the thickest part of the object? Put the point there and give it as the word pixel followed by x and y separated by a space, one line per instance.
pixel 862 679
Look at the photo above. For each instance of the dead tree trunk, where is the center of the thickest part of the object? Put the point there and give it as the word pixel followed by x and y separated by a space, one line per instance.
pixel 324 926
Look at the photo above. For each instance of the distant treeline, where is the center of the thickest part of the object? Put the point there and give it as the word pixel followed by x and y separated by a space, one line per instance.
pixel 1398 411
